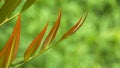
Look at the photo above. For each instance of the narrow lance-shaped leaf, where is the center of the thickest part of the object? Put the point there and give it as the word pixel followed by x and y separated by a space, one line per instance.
pixel 8 7
pixel 27 4
pixel 8 53
pixel 51 34
pixel 74 28
pixel 34 45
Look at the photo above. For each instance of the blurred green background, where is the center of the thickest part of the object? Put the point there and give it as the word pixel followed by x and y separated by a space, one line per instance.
pixel 95 45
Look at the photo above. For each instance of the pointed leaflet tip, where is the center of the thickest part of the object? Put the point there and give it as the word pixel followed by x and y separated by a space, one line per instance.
pixel 74 28
pixel 57 24
pixel 35 44
pixel 8 53
pixel 52 33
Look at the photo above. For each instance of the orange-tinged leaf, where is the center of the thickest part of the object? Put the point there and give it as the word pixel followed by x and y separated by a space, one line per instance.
pixel 52 33
pixel 74 28
pixel 35 44
pixel 8 53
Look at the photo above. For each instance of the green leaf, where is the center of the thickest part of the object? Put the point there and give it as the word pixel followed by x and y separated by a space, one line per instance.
pixel 8 7
pixel 35 44
pixel 8 53
pixel 27 4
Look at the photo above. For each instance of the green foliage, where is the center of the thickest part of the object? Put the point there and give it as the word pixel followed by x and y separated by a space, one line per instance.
pixel 9 51
pixel 96 45
pixel 27 4
pixel 7 8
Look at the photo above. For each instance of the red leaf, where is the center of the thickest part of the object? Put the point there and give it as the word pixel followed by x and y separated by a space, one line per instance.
pixel 52 33
pixel 8 53
pixel 35 44
pixel 74 28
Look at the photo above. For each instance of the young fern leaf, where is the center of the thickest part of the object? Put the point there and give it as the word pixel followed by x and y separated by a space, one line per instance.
pixel 8 7
pixel 74 28
pixel 51 34
pixel 35 44
pixel 8 53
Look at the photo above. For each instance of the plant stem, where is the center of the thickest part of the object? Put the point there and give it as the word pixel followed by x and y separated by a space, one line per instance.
pixel 7 19
pixel 22 62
